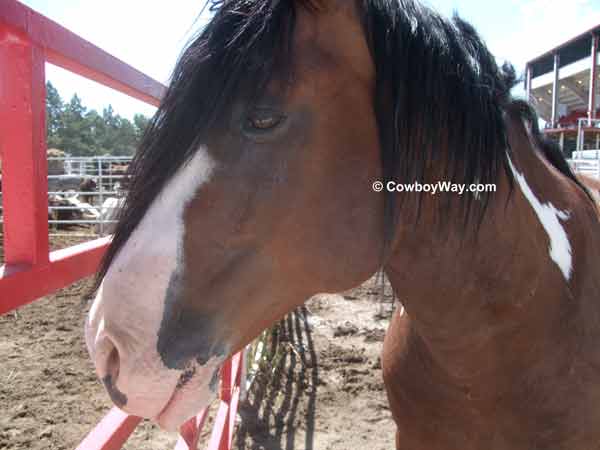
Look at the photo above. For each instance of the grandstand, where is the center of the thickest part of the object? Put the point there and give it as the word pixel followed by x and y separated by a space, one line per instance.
pixel 562 84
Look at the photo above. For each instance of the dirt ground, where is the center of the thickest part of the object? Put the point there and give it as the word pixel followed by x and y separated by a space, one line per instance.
pixel 324 392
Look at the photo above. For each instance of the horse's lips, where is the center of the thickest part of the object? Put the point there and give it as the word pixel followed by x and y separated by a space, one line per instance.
pixel 162 418
pixel 184 403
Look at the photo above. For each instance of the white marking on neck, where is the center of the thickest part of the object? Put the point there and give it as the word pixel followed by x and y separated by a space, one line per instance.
pixel 549 217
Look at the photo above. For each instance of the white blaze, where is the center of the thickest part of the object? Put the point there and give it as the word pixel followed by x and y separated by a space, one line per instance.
pixel 129 306
pixel 549 217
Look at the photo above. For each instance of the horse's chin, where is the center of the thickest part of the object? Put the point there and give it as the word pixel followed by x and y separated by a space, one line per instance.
pixel 192 397
pixel 175 414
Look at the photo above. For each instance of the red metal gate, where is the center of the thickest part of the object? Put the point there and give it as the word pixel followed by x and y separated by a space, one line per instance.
pixel 27 41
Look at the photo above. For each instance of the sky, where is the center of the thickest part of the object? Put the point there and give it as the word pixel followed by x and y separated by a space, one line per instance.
pixel 150 36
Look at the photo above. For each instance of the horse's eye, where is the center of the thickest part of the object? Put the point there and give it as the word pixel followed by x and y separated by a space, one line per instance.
pixel 263 120
pixel 263 123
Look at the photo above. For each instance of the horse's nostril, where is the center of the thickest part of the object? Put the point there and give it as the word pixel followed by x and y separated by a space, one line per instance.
pixel 116 395
pixel 112 364
pixel 110 379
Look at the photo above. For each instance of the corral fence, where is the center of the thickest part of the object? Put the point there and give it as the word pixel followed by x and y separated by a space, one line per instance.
pixel 586 162
pixel 27 41
pixel 86 191
pixel 586 159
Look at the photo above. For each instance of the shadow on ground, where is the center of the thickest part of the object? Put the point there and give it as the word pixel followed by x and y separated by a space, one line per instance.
pixel 285 399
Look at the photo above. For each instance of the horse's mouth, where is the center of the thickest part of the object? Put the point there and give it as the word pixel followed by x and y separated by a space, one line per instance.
pixel 164 416
pixel 190 395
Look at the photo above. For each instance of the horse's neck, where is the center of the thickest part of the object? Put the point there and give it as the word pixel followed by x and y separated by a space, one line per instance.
pixel 518 286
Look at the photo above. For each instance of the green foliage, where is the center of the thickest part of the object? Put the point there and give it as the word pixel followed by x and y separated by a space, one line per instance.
pixel 73 128
pixel 54 108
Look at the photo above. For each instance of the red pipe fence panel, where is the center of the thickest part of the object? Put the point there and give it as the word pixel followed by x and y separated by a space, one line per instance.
pixel 27 41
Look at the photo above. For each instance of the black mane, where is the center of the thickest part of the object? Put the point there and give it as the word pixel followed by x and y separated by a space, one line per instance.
pixel 441 95
pixel 244 46
pixel 439 92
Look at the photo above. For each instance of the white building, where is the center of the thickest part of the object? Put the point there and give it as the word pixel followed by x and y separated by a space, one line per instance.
pixel 562 84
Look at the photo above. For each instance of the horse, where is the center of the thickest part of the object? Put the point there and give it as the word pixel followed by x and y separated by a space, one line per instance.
pixel 257 185
pixel 108 213
pixel 68 207
pixel 88 185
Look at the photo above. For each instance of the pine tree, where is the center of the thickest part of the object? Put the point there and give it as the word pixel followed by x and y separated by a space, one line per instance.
pixel 81 132
pixel 97 131
pixel 76 138
pixel 126 138
pixel 140 122
pixel 54 116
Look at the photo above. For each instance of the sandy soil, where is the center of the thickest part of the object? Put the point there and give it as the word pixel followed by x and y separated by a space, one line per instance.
pixel 49 394
pixel 325 391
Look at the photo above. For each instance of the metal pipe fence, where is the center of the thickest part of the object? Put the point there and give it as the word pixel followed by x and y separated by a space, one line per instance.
pixel 586 157
pixel 100 177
